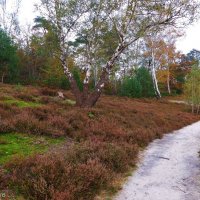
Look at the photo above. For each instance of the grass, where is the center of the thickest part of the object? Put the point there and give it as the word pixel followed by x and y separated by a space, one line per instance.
pixel 21 104
pixel 15 144
pixel 70 102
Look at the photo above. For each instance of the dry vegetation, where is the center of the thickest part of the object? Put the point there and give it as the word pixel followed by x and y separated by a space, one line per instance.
pixel 101 143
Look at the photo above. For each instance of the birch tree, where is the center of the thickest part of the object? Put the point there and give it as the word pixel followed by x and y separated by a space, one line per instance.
pixel 89 21
pixel 192 89
pixel 161 50
pixel 153 63
pixel 168 55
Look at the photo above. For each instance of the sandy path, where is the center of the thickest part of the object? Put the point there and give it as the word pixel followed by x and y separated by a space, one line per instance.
pixel 169 169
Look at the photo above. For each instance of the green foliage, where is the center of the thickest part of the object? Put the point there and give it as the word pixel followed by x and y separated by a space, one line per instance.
pixel 8 57
pixel 192 88
pixel 77 77
pixel 53 76
pixel 54 81
pixel 145 80
pixel 139 85
pixel 21 104
pixel 131 87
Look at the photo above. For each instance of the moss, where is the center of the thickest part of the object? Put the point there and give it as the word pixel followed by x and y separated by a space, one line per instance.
pixel 20 103
pixel 70 102
pixel 15 144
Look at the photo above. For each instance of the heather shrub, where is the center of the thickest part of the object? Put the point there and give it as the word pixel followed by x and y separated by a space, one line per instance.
pixel 25 97
pixel 6 126
pixel 60 123
pixel 2 179
pixel 26 123
pixel 49 92
pixel 78 120
pixel 4 113
pixel 101 143
pixel 52 177
pixel 5 106
pixel 44 100
pixel 40 113
pixel 116 157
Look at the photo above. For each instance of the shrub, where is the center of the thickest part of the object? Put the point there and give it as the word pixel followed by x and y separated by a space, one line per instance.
pixel 6 126
pixel 144 77
pixel 26 123
pixel 52 177
pixel 25 97
pixel 102 142
pixel 3 181
pixel 116 157
pixel 131 87
pixel 139 85
pixel 49 92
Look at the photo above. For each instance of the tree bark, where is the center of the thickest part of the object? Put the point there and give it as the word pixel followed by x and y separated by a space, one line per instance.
pixel 168 82
pixel 2 77
pixel 153 72
pixel 87 98
pixel 168 75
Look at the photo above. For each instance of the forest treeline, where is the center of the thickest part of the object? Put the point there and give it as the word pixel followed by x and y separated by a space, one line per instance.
pixel 89 49
pixel 34 64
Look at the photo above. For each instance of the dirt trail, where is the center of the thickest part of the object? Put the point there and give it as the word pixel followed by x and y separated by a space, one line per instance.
pixel 169 169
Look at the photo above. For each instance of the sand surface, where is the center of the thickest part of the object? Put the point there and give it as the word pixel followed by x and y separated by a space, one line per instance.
pixel 169 169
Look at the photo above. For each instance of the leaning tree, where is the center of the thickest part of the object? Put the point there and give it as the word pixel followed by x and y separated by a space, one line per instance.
pixel 95 33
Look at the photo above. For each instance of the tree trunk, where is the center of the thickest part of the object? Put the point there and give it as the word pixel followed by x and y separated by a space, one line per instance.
pixel 153 72
pixel 168 81
pixel 90 101
pixel 2 78
pixel 86 98
pixel 168 86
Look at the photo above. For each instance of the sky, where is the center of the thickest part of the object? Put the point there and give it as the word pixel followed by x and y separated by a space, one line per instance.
pixel 190 41
pixel 27 13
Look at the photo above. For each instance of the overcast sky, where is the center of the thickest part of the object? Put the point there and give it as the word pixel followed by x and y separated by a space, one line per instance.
pixel 190 41
pixel 27 11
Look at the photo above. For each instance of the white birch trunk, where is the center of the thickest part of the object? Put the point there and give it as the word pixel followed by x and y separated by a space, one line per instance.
pixel 168 82
pixel 168 75
pixel 153 72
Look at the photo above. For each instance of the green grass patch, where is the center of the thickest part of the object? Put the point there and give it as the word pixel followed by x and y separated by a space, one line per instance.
pixel 70 102
pixel 15 144
pixel 20 103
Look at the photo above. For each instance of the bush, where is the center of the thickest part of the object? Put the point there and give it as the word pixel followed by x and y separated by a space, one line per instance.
pixel 3 179
pixel 144 78
pixel 116 157
pixel 53 177
pixel 49 92
pixel 77 171
pixel 101 143
pixel 27 123
pixel 6 126
pixel 139 85
pixel 60 82
pixel 25 97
